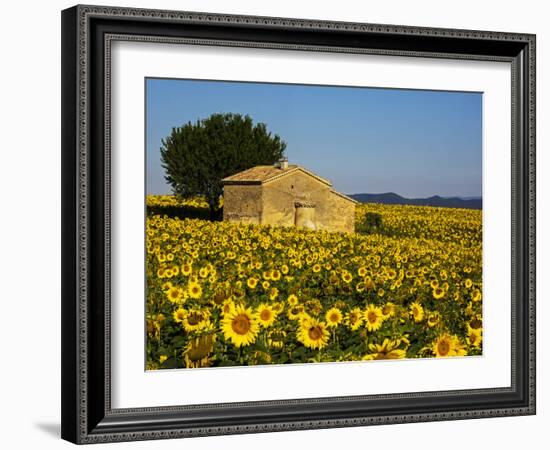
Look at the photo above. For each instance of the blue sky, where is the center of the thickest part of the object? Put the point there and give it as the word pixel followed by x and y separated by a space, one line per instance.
pixel 412 142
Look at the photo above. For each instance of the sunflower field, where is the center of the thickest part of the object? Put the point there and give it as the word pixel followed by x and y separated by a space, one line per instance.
pixel 226 294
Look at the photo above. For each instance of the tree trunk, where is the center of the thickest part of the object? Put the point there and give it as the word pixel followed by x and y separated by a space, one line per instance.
pixel 214 211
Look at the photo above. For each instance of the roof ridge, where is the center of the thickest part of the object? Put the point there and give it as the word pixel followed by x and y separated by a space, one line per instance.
pixel 266 174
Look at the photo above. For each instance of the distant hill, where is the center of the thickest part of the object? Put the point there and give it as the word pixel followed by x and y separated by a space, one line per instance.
pixel 391 198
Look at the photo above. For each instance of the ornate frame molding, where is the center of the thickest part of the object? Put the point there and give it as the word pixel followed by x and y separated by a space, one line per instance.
pixel 86 193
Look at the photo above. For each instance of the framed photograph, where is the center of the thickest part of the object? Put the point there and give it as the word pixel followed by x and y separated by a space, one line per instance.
pixel 282 224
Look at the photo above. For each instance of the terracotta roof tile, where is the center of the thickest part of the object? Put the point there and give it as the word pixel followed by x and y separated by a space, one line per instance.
pixel 258 174
pixel 263 174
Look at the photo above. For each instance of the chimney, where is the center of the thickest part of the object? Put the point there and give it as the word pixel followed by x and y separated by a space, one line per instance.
pixel 282 163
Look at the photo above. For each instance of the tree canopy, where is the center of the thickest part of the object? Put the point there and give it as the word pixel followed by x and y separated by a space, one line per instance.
pixel 197 156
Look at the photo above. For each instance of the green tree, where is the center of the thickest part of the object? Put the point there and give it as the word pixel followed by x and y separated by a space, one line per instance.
pixel 197 156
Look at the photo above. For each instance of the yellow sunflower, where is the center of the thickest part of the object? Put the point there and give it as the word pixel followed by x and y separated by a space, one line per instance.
pixel 186 269
pixel 438 293
pixel 476 323
pixel 313 334
pixel 417 312
pixel 194 290
pixel 252 282
pixel 294 312
pixel 388 310
pixel 346 276
pixel 369 284
pixel 373 317
pixel 388 350
pixel 276 338
pixel 179 315
pixel 292 300
pixel 476 295
pixel 174 294
pixel 448 345
pixel 354 319
pixel 266 315
pixel 195 319
pixel 240 326
pixel 197 353
pixel 273 293
pixel 167 273
pixel 228 306
pixel 303 317
pixel 433 319
pixel 334 317
pixel 473 337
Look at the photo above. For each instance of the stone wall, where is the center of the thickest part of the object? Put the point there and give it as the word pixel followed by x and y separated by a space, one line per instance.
pixel 280 196
pixel 342 214
pixel 274 203
pixel 242 203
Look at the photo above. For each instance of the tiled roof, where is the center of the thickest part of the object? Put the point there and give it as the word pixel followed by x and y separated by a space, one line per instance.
pixel 264 174
pixel 258 174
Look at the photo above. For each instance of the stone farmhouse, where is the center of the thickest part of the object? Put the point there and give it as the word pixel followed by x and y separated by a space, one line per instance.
pixel 286 195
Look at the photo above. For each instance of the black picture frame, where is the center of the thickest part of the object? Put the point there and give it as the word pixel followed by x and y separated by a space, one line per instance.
pixel 87 416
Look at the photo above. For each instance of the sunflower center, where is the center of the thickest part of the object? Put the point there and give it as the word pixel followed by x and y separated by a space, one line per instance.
pixel 240 324
pixel 315 333
pixel 219 298
pixel 443 347
pixel 194 318
pixel 334 317
pixel 475 323
pixel 265 314
pixel 372 317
